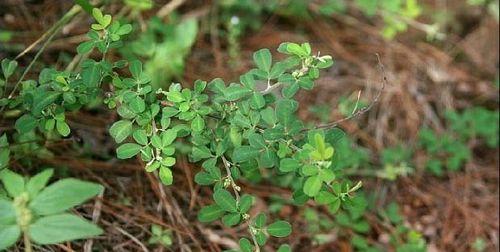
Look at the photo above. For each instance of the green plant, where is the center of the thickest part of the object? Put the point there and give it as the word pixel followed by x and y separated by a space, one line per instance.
pixel 450 150
pixel 444 151
pixel 237 132
pixel 38 211
pixel 160 236
pixel 160 42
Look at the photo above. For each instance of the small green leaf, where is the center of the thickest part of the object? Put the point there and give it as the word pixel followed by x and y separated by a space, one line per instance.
pixel 43 99
pixel 198 124
pixel 10 234
pixel 236 92
pixel 38 182
pixel 135 69
pixel 256 140
pixel 7 212
pixel 279 229
pixel 168 137
pixel 166 175
pixel 140 137
pixel 210 213
pixel 225 200
pixel 260 220
pixel 289 165
pixel 245 245
pixel 12 182
pixel 127 150
pixel 85 47
pixel 263 59
pixel 63 128
pixel 120 130
pixel 25 123
pixel 284 248
pixel 257 100
pixel 62 195
pixel 312 186
pixel 245 203
pixel 63 227
pixel 175 96
pixel 8 67
pixel 244 153
pixel 231 219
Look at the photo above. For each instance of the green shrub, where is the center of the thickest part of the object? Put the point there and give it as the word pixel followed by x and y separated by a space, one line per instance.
pixel 236 132
pixel 38 211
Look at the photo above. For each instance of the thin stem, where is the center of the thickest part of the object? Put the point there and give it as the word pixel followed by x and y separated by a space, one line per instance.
pixel 364 109
pixel 230 176
pixel 27 242
pixel 54 30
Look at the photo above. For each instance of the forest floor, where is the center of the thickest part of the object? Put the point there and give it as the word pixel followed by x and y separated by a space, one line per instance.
pixel 425 79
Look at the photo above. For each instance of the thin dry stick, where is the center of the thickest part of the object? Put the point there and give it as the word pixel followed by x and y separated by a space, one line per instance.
pixel 133 238
pixel 168 8
pixel 364 109
pixel 96 214
pixel 52 31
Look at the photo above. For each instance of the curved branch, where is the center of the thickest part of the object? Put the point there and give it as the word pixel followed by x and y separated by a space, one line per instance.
pixel 364 109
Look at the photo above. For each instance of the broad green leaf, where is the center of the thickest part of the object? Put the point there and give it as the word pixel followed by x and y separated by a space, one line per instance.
pixel 8 67
pixel 326 175
pixel 140 137
pixel 210 213
pixel 12 182
pixel 244 153
pixel 279 229
pixel 269 116
pixel 284 248
pixel 120 130
pixel 137 105
pixel 231 219
pixel 260 220
pixel 9 235
pixel 245 203
pixel 168 137
pixel 25 123
pixel 225 200
pixel 285 110
pixel 62 227
pixel 7 212
pixel 43 99
pixel 312 186
pixel 236 92
pixel 256 140
pixel 175 96
pixel 245 245
pixel 325 198
pixel 296 49
pixel 267 159
pixel 127 150
pixel 289 164
pixel 85 47
pixel 261 238
pixel 91 73
pixel 201 152
pixel 204 178
pixel 135 69
pixel 38 182
pixel 63 128
pixel 257 101
pixel 263 59
pixel 166 176
pixel 62 195
pixel 198 124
